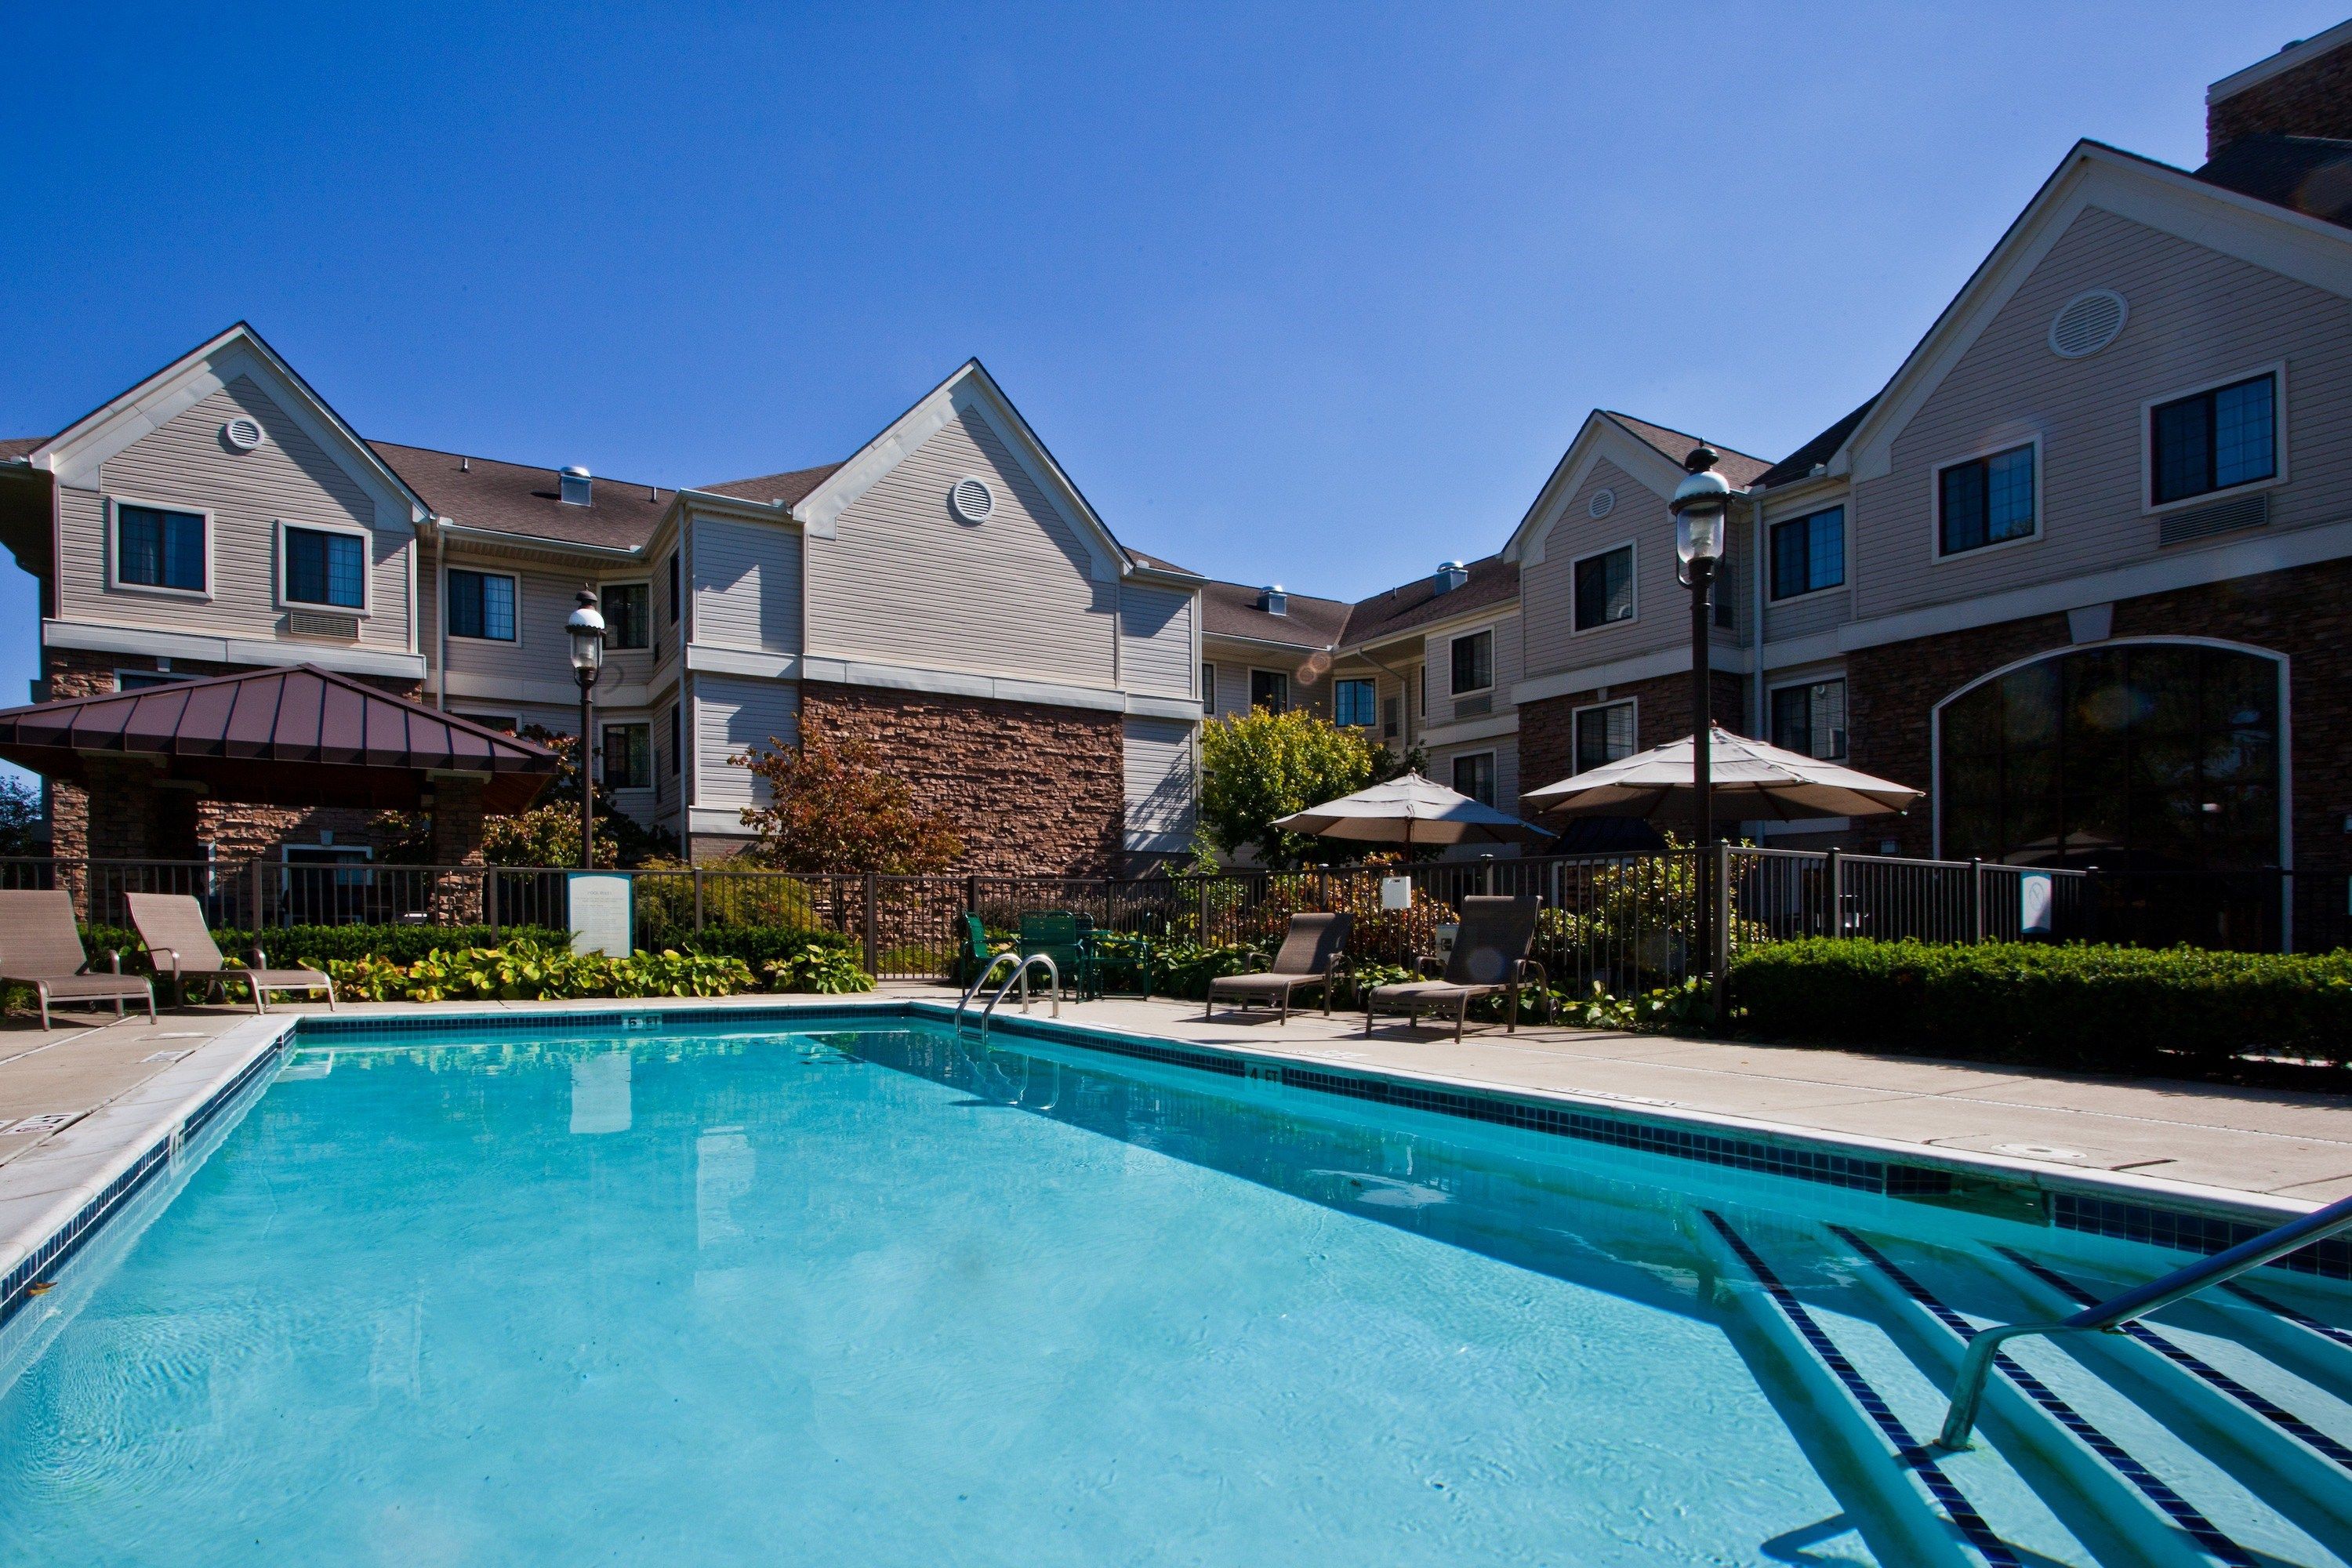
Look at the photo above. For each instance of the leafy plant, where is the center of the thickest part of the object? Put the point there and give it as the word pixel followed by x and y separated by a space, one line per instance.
pixel 547 833
pixel 527 970
pixel 819 969
pixel 312 945
pixel 1261 766
pixel 835 807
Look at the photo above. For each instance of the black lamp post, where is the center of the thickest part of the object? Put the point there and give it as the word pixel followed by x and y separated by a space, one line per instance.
pixel 585 628
pixel 1701 505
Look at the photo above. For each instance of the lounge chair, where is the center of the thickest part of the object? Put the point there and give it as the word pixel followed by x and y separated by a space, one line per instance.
pixel 1311 953
pixel 39 947
pixel 1489 956
pixel 179 944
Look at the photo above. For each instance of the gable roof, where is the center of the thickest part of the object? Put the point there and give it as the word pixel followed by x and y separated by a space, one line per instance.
pixel 1231 610
pixel 519 499
pixel 1735 466
pixel 767 488
pixel 1493 580
pixel 2138 189
pixel 2310 175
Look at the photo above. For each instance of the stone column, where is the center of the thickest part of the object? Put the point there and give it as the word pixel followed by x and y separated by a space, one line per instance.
pixel 123 812
pixel 458 841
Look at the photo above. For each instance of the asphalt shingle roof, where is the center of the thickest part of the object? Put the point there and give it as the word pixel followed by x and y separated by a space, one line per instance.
pixel 1737 467
pixel 512 498
pixel 1493 581
pixel 789 487
pixel 1230 609
pixel 1800 463
pixel 2310 175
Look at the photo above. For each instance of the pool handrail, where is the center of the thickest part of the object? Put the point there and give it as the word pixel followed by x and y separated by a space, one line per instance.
pixel 2111 1315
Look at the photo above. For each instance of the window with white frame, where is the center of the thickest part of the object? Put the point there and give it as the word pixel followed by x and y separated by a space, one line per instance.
pixel 1474 775
pixel 1605 734
pixel 628 762
pixel 327 567
pixel 482 604
pixel 2213 440
pixel 1354 703
pixel 158 547
pixel 628 615
pixel 1270 688
pixel 1208 687
pixel 1472 661
pixel 1810 720
pixel 1985 500
pixel 1809 553
pixel 1604 588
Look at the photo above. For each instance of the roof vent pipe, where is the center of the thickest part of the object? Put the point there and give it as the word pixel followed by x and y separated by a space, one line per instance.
pixel 1450 575
pixel 575 485
pixel 1273 599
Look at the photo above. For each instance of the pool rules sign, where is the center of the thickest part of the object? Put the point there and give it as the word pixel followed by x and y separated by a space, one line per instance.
pixel 604 911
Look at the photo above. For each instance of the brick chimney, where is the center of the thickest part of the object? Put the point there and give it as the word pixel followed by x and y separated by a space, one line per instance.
pixel 2304 89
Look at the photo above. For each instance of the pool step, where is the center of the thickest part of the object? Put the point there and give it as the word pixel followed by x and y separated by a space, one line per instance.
pixel 2178 1450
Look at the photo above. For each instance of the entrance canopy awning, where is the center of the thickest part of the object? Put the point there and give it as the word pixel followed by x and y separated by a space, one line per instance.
pixel 301 736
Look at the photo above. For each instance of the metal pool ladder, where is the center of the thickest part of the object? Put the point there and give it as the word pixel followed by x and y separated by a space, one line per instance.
pixel 1020 976
pixel 2108 1316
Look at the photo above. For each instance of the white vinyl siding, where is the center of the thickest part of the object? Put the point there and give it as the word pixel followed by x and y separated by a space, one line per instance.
pixel 545 597
pixel 747 586
pixel 1155 640
pixel 2197 317
pixel 1161 774
pixel 1444 708
pixel 906 581
pixel 1548 587
pixel 289 478
pixel 734 715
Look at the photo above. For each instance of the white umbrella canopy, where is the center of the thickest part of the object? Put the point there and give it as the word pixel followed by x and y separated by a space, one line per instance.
pixel 1411 810
pixel 1750 781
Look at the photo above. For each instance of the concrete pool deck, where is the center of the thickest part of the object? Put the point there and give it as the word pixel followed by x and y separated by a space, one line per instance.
pixel 77 1103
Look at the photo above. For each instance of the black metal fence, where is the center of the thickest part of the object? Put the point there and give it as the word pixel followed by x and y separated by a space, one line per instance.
pixel 1626 922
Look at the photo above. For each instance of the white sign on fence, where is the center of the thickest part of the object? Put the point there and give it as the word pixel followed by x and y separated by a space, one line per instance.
pixel 1396 892
pixel 2033 900
pixel 603 912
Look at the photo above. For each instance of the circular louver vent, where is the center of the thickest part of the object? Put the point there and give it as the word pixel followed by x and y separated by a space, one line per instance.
pixel 972 500
pixel 1603 503
pixel 242 433
pixel 2087 324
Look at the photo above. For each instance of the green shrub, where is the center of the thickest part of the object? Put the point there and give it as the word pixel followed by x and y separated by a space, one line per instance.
pixel 756 945
pixel 819 968
pixel 2108 1008
pixel 527 970
pixel 312 946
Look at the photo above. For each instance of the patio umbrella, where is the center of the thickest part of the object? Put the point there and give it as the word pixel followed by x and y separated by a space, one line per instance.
pixel 1752 781
pixel 1411 810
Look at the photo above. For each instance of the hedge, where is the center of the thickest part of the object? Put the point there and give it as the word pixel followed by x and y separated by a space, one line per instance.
pixel 754 944
pixel 2106 1008
pixel 313 944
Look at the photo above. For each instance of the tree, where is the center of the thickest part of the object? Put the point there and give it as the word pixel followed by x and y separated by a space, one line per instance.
pixel 1260 765
pixel 20 819
pixel 836 808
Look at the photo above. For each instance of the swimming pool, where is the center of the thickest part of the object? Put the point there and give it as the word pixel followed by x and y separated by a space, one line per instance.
pixel 862 1293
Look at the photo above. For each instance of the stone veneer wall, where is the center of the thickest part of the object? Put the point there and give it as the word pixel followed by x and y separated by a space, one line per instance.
pixel 1029 788
pixel 1661 713
pixel 238 830
pixel 2315 98
pixel 2305 614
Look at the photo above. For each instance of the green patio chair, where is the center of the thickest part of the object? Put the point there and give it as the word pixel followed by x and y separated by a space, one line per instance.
pixel 1055 934
pixel 1117 955
pixel 976 951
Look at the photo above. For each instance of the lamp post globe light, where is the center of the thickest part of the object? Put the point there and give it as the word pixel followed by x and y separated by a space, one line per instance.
pixel 1702 505
pixel 585 631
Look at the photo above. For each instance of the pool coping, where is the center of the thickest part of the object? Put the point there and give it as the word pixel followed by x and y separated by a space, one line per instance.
pixel 53 1201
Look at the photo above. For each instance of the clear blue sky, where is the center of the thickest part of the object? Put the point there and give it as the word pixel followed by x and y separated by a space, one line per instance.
pixel 1308 294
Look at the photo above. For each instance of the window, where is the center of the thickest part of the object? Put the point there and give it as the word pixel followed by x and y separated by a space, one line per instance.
pixel 628 756
pixel 1392 709
pixel 1811 720
pixel 1985 501
pixel 2211 440
pixel 1809 553
pixel 1604 588
pixel 1474 775
pixel 1270 688
pixel 154 548
pixel 1353 702
pixel 628 611
pixel 1603 735
pixel 1474 662
pixel 677 610
pixel 143 679
pixel 481 604
pixel 1208 688
pixel 674 747
pixel 324 568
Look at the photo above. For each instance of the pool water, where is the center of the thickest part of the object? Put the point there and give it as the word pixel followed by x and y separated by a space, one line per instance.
pixel 869 1296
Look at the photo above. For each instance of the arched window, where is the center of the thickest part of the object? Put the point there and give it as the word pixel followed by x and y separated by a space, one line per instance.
pixel 2154 757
